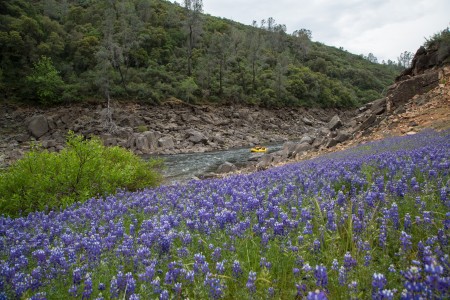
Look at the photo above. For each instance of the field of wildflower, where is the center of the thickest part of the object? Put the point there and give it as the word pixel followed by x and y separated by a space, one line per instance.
pixel 371 222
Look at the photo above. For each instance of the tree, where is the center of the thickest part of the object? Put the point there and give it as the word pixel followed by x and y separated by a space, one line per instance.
pixel 45 81
pixel 301 42
pixel 372 58
pixel 193 8
pixel 405 58
pixel 188 87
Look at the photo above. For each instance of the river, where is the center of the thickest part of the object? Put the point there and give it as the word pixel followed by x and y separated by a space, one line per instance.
pixel 183 167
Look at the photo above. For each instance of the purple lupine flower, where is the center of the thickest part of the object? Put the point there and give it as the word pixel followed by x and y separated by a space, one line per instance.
pixel 382 236
pixel 237 271
pixel 407 222
pixel 331 220
pixel 387 294
pixel 134 297
pixel 307 268
pixel 220 267
pixel 164 295
pixel 178 288
pixel 405 240
pixel 114 288
pixel 251 282
pixel 317 295
pixel 215 286
pixel 335 265
pixel 353 287
pixel 342 276
pixel 349 261
pixel 271 292
pixel 378 284
pixel 37 296
pixel 367 259
pixel 217 254
pixel 444 194
pixel 87 292
pixel 427 217
pixel 301 290
pixel 76 274
pixel 393 213
pixel 413 283
pixel 321 275
pixel 308 228
pixel 392 268
pixel 190 275
pixel 73 291
pixel 131 283
pixel 316 245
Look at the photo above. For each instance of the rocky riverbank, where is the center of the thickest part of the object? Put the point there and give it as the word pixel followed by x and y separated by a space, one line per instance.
pixel 176 127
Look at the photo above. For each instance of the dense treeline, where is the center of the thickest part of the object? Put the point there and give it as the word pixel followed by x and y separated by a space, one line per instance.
pixel 72 50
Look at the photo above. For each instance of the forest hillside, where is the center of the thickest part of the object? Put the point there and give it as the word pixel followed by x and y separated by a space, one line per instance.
pixel 66 51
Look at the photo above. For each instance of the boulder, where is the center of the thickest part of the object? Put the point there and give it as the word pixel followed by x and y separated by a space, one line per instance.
pixel 21 138
pixel 166 142
pixel 378 106
pixel 332 143
pixel 48 144
pixel 264 162
pixel 152 139
pixel 335 123
pixel 342 136
pixel 299 148
pixel 38 126
pixel 307 121
pixel 306 139
pixel 195 136
pixel 142 143
pixel 226 167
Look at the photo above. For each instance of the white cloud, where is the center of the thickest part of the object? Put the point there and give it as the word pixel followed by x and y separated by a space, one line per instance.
pixel 385 28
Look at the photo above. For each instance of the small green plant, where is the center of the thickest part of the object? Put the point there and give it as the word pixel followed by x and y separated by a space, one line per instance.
pixel 142 128
pixel 43 181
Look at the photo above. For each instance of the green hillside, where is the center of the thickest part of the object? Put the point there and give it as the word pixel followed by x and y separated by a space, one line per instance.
pixel 56 51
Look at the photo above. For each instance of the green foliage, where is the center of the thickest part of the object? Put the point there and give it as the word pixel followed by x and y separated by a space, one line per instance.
pixel 154 50
pixel 43 181
pixel 46 82
pixel 441 42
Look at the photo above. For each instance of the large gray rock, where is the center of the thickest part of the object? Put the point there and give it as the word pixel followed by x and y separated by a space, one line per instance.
pixel 334 123
pixel 152 139
pixel 226 167
pixel 342 136
pixel 166 142
pixel 142 143
pixel 378 106
pixel 38 126
pixel 299 148
pixel 195 136
pixel 265 162
pixel 306 139
pixel 307 121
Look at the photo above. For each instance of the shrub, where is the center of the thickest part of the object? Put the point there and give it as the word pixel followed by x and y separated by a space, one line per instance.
pixel 43 181
pixel 46 81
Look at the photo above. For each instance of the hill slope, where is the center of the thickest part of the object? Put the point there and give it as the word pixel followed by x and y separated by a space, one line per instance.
pixel 67 51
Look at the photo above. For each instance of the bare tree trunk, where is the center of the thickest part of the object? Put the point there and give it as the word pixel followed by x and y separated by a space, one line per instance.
pixel 109 123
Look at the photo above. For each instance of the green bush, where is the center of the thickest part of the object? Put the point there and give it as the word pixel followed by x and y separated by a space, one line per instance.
pixel 46 81
pixel 42 181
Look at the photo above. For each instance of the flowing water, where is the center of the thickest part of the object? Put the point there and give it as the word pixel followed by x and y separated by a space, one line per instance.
pixel 183 167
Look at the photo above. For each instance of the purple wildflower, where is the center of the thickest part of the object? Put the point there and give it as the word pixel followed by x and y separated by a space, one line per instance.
pixel 251 282
pixel 317 295
pixel 321 276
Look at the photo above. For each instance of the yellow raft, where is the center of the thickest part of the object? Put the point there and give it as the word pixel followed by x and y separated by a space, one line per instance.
pixel 259 149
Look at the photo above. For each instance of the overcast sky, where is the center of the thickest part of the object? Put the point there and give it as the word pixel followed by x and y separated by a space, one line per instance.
pixel 385 28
